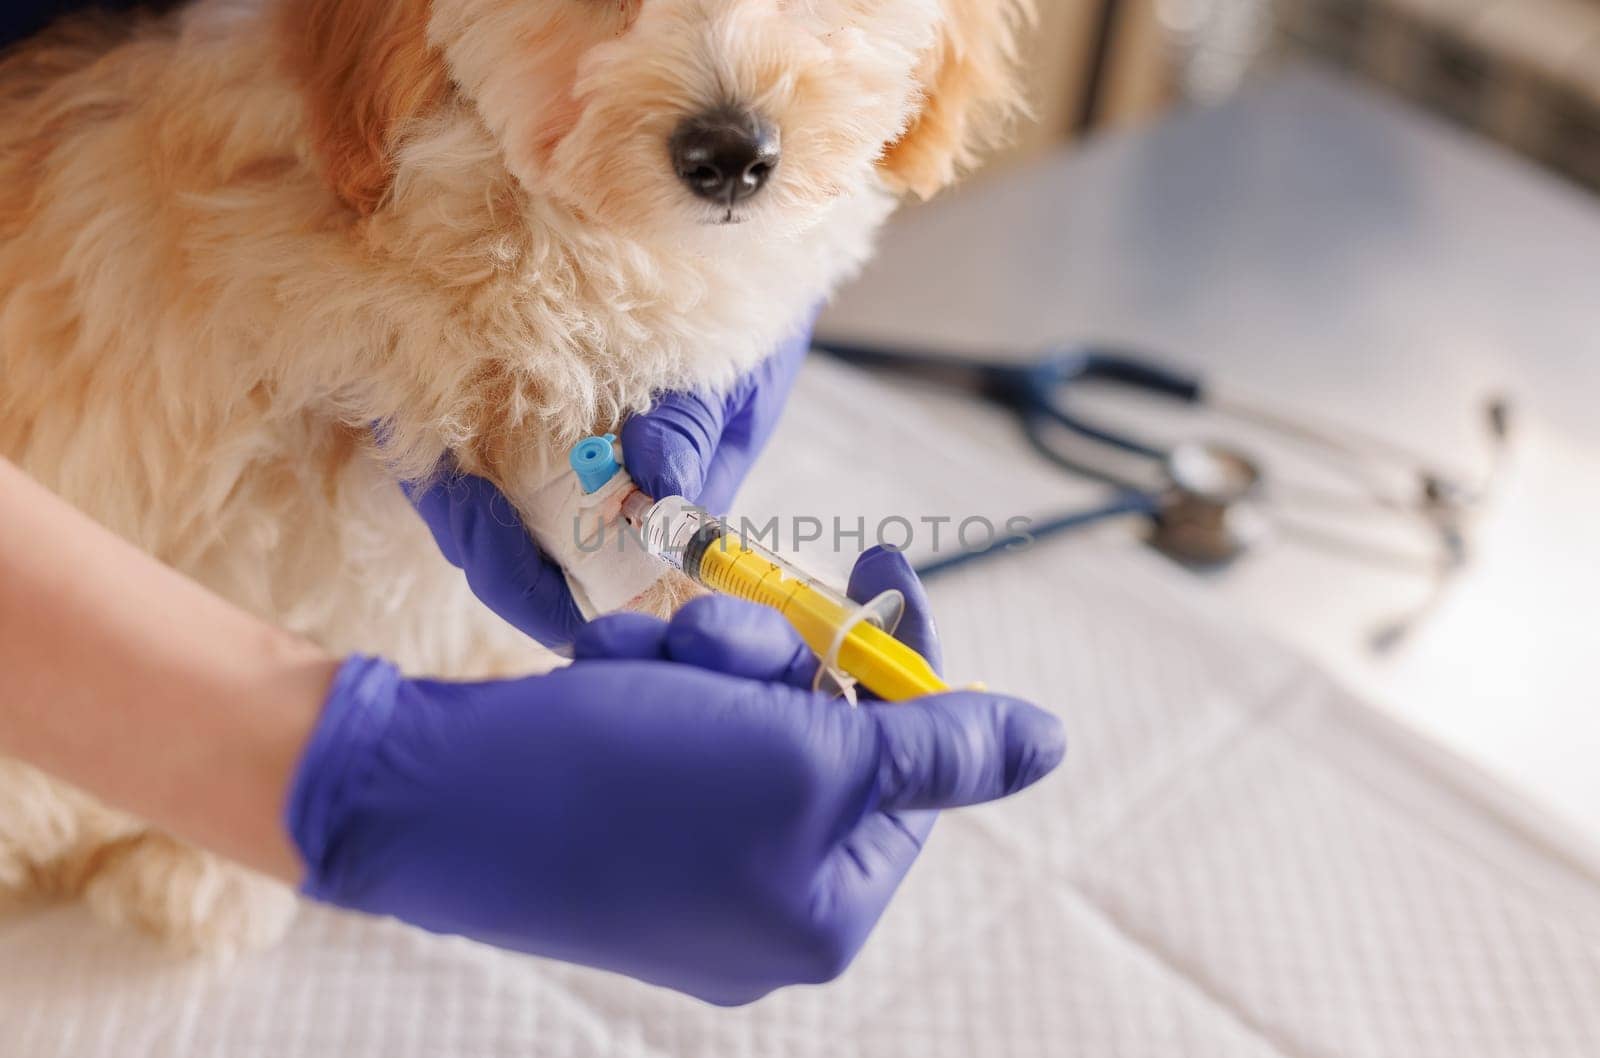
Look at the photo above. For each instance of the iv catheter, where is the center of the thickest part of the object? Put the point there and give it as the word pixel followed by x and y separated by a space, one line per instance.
pixel 853 641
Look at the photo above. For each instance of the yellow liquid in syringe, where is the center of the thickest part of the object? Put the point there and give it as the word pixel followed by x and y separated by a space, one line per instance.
pixel 718 559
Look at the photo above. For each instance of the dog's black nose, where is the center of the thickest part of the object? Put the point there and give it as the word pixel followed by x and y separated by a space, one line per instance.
pixel 725 155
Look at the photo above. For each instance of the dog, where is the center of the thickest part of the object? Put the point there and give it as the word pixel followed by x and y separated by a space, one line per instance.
pixel 235 236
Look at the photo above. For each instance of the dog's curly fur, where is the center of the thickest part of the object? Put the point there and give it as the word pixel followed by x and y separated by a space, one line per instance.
pixel 234 237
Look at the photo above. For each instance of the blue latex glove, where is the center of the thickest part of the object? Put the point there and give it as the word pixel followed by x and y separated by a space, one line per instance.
pixel 480 533
pixel 672 806
pixel 700 447
pixel 687 445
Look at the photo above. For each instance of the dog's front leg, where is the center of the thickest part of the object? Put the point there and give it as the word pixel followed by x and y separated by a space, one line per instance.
pixel 604 560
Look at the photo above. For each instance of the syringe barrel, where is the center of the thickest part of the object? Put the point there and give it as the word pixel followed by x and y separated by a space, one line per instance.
pixel 666 526
pixel 838 630
pixel 716 556
pixel 733 564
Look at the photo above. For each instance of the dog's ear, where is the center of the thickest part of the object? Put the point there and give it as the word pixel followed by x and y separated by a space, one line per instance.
pixel 971 88
pixel 365 68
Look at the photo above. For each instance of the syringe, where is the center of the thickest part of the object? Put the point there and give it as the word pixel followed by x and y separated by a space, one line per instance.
pixel 853 638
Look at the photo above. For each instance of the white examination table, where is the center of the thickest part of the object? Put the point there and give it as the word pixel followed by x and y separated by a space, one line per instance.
pixel 1237 859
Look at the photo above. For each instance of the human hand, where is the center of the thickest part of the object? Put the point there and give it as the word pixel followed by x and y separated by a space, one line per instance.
pixel 480 533
pixel 672 806
pixel 700 446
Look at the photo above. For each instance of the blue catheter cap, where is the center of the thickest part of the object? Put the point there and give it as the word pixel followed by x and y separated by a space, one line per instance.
pixel 594 460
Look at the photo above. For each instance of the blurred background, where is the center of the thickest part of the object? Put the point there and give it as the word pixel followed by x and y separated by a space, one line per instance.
pixel 1377 215
pixel 1524 72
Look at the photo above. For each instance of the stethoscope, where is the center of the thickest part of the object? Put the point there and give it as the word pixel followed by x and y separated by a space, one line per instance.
pixel 1203 502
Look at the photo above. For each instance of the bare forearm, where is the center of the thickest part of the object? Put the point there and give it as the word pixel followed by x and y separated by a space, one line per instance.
pixel 136 684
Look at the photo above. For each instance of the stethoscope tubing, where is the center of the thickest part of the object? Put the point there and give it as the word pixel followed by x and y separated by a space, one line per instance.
pixel 1125 505
pixel 1032 388
pixel 1036 392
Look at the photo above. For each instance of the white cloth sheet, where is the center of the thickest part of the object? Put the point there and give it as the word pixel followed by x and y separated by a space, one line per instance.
pixel 1236 860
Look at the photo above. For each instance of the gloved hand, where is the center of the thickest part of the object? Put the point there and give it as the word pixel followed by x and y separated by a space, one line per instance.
pixel 687 445
pixel 482 535
pixel 671 806
pixel 700 447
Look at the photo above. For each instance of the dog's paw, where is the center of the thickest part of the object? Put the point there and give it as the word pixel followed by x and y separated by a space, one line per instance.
pixel 193 900
pixel 51 835
pixel 15 878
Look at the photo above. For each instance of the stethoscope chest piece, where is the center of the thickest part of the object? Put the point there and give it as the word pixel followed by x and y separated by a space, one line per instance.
pixel 1206 516
pixel 1204 504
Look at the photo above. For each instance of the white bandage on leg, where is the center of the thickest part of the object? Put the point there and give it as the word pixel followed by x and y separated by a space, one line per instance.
pixel 584 534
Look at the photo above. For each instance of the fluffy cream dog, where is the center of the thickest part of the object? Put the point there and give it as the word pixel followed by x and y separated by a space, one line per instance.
pixel 234 237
